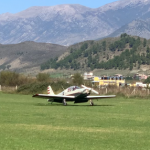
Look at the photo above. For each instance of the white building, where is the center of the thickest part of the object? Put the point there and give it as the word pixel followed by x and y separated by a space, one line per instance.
pixel 88 76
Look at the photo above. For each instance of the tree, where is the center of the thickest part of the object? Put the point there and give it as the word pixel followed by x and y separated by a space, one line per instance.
pixel 131 66
pixel 8 66
pixel 43 77
pixel 147 80
pixel 124 35
pixel 84 46
pixel 104 45
pixel 148 50
pixel 77 79
pixel 9 78
pixel 144 43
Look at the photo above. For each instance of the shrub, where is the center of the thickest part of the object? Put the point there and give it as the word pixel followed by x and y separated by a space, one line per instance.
pixel 8 78
pixel 41 87
pixel 32 88
pixel 43 77
pixel 77 79
pixel 147 80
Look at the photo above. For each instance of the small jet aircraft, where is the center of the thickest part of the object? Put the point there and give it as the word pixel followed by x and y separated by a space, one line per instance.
pixel 73 93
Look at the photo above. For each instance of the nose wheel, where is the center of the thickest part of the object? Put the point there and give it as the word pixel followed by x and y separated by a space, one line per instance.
pixel 91 103
pixel 64 102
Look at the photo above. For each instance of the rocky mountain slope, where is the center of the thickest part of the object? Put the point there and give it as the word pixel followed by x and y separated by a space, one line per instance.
pixel 69 24
pixel 137 27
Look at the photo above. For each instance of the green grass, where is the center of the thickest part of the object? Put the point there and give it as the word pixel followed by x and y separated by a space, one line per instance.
pixel 28 123
pixel 56 75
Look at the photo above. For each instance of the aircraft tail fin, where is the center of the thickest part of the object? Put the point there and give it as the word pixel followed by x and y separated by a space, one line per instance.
pixel 50 91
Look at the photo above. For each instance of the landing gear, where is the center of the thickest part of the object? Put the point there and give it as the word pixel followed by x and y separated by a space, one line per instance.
pixel 91 102
pixel 64 102
pixel 49 100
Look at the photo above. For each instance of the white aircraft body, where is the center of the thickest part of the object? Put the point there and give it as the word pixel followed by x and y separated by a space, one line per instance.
pixel 73 93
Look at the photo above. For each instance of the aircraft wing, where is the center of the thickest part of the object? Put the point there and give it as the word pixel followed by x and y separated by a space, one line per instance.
pixel 46 96
pixel 98 97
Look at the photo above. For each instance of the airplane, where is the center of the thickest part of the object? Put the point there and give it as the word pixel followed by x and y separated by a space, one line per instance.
pixel 73 93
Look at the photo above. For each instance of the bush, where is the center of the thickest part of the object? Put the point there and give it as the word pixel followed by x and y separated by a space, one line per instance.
pixel 41 87
pixel 32 88
pixel 77 79
pixel 8 78
pixel 43 77
pixel 147 80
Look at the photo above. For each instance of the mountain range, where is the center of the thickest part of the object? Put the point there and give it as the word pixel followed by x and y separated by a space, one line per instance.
pixel 69 24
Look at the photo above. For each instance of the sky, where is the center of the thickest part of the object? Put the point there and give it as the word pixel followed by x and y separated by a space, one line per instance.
pixel 14 6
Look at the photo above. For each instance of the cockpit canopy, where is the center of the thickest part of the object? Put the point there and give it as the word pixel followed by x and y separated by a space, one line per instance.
pixel 72 88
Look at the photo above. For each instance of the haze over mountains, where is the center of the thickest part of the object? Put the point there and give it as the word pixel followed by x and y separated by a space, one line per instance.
pixel 69 24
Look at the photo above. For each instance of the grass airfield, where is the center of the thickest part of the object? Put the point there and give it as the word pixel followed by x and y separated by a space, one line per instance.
pixel 28 123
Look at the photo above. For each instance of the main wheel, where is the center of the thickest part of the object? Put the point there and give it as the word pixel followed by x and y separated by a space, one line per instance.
pixel 64 102
pixel 91 103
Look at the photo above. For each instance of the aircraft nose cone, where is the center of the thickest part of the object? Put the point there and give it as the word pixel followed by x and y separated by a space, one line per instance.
pixel 87 91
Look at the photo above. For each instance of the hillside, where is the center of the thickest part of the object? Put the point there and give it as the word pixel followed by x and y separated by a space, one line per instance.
pixel 27 55
pixel 124 52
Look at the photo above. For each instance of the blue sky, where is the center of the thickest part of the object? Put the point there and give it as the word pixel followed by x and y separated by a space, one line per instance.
pixel 14 6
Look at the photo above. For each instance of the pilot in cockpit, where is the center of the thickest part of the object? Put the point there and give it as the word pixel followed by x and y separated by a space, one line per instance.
pixel 74 88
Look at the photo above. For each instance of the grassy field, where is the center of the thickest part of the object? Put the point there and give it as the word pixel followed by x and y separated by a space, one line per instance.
pixel 28 123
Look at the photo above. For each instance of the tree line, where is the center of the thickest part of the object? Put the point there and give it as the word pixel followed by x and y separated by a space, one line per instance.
pixel 38 84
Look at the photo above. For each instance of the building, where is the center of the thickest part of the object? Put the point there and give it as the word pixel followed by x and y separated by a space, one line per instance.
pixel 140 76
pixel 118 75
pixel 108 80
pixel 88 76
pixel 138 84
